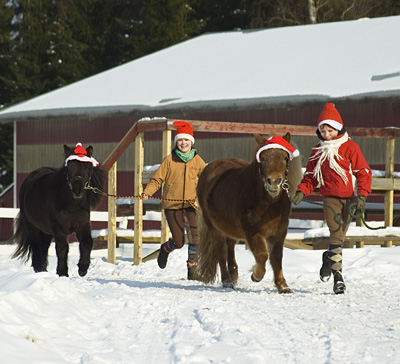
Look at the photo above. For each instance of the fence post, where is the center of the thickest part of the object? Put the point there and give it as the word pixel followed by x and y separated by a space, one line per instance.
pixel 389 195
pixel 112 214
pixel 138 204
pixel 166 149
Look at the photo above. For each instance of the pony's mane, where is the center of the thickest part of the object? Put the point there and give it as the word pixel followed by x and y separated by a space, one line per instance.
pixel 98 178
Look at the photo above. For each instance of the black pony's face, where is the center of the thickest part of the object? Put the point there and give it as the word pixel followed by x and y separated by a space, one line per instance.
pixel 78 176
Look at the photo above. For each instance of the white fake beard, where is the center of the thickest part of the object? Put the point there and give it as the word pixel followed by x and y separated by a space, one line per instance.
pixel 330 149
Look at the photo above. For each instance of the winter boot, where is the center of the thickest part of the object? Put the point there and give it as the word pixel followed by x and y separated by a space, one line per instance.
pixel 335 255
pixel 191 262
pixel 338 284
pixel 162 258
pixel 191 269
pixel 326 270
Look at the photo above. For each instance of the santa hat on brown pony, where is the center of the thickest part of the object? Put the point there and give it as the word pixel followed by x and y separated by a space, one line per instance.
pixel 279 143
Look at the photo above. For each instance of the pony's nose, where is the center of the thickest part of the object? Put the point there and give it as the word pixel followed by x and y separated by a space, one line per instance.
pixel 77 186
pixel 274 181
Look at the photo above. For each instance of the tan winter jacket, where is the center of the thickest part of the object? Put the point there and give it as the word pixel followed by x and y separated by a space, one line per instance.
pixel 180 181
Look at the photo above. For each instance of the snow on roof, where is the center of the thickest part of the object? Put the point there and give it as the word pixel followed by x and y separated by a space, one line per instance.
pixel 309 62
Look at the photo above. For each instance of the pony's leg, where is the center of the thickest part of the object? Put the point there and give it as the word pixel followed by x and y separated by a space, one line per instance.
pixel 62 249
pixel 276 254
pixel 232 264
pixel 85 248
pixel 222 250
pixel 258 247
pixel 44 247
pixel 39 244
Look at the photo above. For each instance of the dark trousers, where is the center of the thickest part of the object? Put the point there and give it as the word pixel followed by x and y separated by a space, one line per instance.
pixel 177 221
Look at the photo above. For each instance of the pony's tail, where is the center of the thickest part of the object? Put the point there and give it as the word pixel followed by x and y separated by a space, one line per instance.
pixel 20 238
pixel 207 259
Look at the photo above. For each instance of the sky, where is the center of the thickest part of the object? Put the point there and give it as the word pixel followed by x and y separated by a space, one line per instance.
pixel 123 313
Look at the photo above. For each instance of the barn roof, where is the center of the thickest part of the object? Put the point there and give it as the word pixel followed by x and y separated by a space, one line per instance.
pixel 351 59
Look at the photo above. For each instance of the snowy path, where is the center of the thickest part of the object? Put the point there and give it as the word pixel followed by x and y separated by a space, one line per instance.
pixel 126 314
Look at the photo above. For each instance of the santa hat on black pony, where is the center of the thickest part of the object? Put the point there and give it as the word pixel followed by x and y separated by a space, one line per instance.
pixel 330 116
pixel 184 131
pixel 80 154
pixel 279 143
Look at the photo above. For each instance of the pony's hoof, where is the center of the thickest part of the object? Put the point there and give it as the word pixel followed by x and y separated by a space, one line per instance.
pixel 228 285
pixel 284 290
pixel 254 279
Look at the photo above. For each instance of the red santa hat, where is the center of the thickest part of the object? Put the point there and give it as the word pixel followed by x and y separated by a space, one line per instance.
pixel 279 143
pixel 184 131
pixel 330 116
pixel 80 154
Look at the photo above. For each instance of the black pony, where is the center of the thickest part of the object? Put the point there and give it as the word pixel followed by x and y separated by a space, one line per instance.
pixel 55 203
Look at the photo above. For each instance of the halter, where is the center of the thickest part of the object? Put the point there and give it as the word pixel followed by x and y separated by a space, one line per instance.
pixel 285 184
pixel 77 178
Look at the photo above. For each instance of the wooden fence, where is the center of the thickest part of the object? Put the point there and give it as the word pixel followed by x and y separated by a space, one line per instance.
pixel 386 185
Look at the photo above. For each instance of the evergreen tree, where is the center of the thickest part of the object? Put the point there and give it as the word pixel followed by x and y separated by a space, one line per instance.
pixel 223 15
pixel 7 86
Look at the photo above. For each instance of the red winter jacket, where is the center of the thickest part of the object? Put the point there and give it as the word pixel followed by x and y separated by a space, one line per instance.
pixel 352 161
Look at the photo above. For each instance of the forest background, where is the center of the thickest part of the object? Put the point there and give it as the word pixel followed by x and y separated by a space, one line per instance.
pixel 47 44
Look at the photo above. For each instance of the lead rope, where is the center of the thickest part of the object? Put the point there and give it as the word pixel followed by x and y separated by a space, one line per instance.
pixel 100 192
pixel 352 213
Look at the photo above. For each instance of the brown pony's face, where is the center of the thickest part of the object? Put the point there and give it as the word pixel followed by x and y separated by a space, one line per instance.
pixel 273 166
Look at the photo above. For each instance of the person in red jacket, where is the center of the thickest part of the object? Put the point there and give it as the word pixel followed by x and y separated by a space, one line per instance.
pixel 332 164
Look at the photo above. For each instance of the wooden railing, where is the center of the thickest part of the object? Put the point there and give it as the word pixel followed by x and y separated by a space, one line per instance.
pixel 388 184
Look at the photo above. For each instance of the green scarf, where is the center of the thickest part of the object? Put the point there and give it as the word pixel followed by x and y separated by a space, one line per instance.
pixel 186 157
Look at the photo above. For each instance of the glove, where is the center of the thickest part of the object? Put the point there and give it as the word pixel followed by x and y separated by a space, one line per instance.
pixel 298 197
pixel 360 204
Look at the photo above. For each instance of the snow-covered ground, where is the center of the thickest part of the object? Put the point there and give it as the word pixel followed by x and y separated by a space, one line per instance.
pixel 140 314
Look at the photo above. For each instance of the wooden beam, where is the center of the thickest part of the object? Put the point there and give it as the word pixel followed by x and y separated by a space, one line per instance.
pixel 112 214
pixel 270 128
pixel 389 195
pixel 247 128
pixel 166 149
pixel 138 206
pixel 385 184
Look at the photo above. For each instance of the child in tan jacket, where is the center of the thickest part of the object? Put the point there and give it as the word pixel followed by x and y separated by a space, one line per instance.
pixel 179 173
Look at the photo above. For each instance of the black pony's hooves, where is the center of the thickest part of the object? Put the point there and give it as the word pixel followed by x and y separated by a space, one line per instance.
pixel 255 280
pixel 82 273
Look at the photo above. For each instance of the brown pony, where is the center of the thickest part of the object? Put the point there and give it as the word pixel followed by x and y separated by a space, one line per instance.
pixel 249 202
